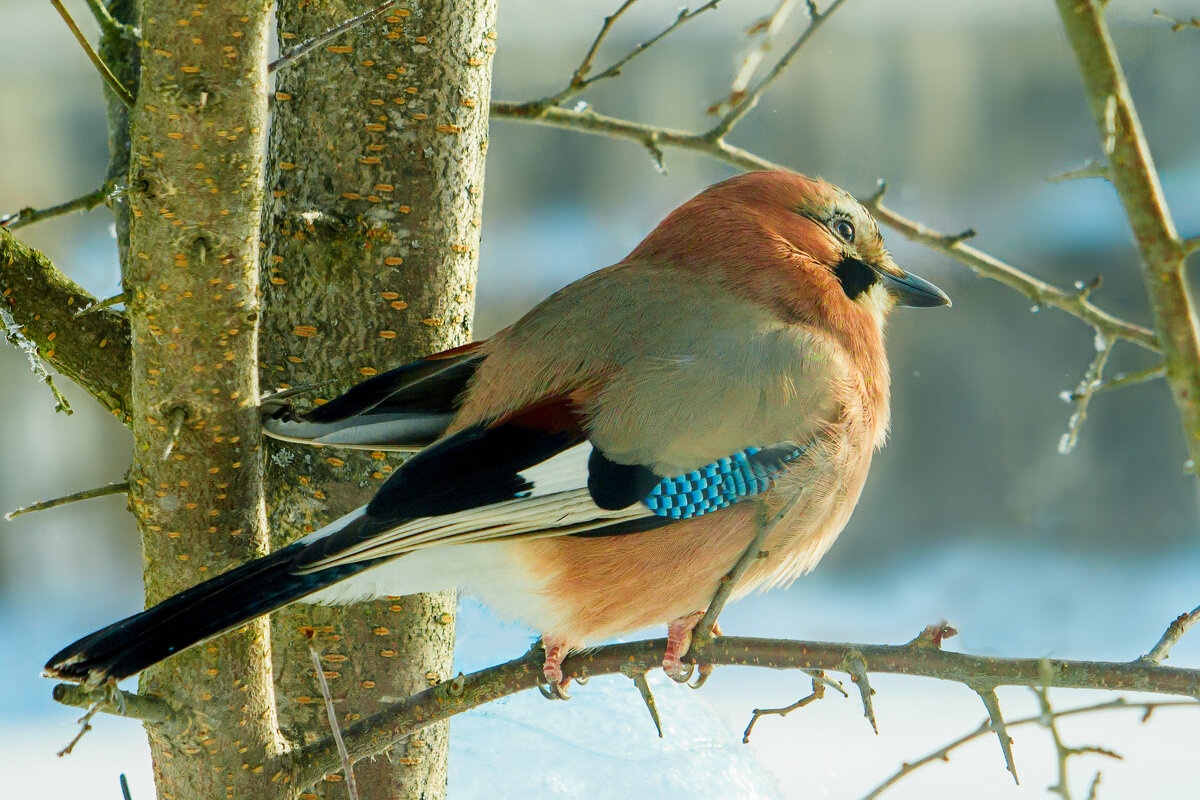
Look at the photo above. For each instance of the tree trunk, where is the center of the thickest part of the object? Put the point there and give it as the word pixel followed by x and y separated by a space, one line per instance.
pixel 371 237
pixel 198 134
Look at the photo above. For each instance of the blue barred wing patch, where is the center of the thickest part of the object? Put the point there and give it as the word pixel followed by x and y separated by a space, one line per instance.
pixel 723 482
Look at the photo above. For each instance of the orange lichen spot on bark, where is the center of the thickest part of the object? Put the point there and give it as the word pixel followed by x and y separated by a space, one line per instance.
pixel 339 48
pixel 393 261
pixel 384 187
pixel 399 305
pixel 433 322
pixel 368 371
pixel 387 334
pixel 335 462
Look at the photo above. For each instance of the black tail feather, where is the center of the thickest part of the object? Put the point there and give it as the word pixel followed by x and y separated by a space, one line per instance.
pixel 127 647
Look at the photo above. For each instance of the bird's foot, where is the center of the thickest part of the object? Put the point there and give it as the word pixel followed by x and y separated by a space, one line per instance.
pixel 555 686
pixel 679 641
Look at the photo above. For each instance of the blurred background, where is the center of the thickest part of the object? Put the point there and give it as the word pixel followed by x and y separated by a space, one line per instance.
pixel 971 513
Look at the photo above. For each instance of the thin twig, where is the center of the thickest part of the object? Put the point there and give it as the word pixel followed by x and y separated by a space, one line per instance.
pixel 1178 25
pixel 988 695
pixel 582 78
pixel 109 79
pixel 17 338
pixel 88 494
pixel 1123 380
pixel 1095 785
pixel 85 725
pixel 657 139
pixel 28 216
pixel 585 65
pixel 117 702
pixel 702 634
pixel 1174 632
pixel 766 28
pixel 1092 169
pixel 100 305
pixel 331 713
pixel 304 48
pixel 750 99
pixel 1061 751
pixel 942 754
pixel 818 692
pixel 1092 380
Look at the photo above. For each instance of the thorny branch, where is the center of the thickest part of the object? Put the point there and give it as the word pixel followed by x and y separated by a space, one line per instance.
pixel 920 657
pixel 1173 633
pixel 1062 752
pixel 942 754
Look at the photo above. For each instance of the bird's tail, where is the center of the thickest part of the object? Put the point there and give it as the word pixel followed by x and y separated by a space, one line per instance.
pixel 127 647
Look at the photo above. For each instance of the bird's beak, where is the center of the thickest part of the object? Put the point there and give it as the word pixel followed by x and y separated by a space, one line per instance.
pixel 911 291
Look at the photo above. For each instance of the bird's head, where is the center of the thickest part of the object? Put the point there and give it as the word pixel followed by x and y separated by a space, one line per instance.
pixel 800 246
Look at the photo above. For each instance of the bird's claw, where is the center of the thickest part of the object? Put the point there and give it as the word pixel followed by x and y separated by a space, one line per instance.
pixel 678 671
pixel 702 673
pixel 553 690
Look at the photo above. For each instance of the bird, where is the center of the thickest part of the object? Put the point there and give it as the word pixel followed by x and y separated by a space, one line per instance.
pixel 597 467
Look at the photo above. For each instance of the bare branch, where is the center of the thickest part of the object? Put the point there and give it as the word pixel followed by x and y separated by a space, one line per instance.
pixel 120 703
pixel 942 754
pixel 1161 252
pixel 110 80
pixel 17 338
pixel 1091 382
pixel 818 692
pixel 1174 632
pixel 657 139
pixel 306 47
pixel 702 634
pixel 88 494
pixel 580 79
pixel 100 305
pixel 1191 245
pixel 28 216
pixel 93 351
pixel 743 106
pixel 1176 26
pixel 375 734
pixel 1124 380
pixel 766 28
pixel 1092 169
pixel 988 695
pixel 335 729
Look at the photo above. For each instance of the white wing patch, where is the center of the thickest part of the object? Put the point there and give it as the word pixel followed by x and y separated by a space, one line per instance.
pixel 557 504
pixel 363 432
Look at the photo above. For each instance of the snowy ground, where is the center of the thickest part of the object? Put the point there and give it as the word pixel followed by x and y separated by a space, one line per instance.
pixel 602 745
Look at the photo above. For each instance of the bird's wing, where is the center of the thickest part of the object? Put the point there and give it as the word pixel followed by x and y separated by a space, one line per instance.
pixel 516 481
pixel 403 409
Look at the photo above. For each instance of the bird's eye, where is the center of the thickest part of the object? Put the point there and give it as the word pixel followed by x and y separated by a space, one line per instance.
pixel 844 229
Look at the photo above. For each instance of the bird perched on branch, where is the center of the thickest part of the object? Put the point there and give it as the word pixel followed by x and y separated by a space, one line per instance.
pixel 598 466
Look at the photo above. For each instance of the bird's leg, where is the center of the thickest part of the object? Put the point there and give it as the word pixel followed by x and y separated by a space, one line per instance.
pixel 556 686
pixel 679 641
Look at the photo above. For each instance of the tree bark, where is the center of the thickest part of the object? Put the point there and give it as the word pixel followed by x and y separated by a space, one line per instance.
pixel 198 134
pixel 375 173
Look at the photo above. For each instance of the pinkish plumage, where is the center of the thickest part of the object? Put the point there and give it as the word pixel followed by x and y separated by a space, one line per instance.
pixel 751 316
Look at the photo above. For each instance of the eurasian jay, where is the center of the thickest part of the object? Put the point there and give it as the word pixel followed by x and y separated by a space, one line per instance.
pixel 598 466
